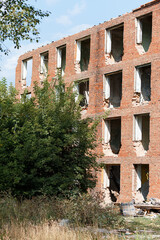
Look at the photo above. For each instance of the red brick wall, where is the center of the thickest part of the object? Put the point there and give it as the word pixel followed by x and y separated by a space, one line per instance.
pixel 97 68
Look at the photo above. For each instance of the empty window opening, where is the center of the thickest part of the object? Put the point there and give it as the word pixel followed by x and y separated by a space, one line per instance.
pixel 82 90
pixel 61 59
pixel 44 64
pixel 111 182
pixel 26 96
pixel 113 89
pixel 113 134
pixel 59 90
pixel 144 31
pixel 114 45
pixel 141 182
pixel 141 133
pixel 26 72
pixel 142 92
pixel 83 54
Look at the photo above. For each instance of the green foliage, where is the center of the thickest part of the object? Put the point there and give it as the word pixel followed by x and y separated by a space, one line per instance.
pixel 18 21
pixel 45 146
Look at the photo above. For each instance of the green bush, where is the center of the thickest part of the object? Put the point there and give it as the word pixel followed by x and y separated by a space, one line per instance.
pixel 46 148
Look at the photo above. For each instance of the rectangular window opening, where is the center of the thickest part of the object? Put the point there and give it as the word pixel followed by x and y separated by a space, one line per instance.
pixel 28 95
pixel 141 182
pixel 27 72
pixel 144 31
pixel 82 89
pixel 44 63
pixel 114 44
pixel 113 134
pixel 83 53
pixel 113 89
pixel 143 83
pixel 61 59
pixel 111 182
pixel 142 130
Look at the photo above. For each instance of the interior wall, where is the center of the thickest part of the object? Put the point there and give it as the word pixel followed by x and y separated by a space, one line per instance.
pixel 145 131
pixel 112 191
pixel 142 175
pixel 146 32
pixel 63 59
pixel 85 54
pixel 116 89
pixel 114 180
pixel 146 83
pixel 83 87
pixel 117 43
pixel 115 142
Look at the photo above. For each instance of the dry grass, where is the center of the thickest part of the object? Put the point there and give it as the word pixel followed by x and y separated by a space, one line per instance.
pixel 81 211
pixel 47 231
pixel 36 219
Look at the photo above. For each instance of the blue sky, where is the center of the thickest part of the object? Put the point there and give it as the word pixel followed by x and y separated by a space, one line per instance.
pixel 67 18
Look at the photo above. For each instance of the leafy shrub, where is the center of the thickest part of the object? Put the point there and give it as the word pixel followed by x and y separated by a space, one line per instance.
pixel 46 148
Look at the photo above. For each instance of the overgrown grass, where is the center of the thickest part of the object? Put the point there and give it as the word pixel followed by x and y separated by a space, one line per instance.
pixel 143 223
pixel 44 231
pixel 81 211
pixel 38 218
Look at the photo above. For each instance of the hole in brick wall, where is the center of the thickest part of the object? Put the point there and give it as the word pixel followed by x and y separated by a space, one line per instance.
pixel 144 31
pixel 141 182
pixel 61 59
pixel 82 89
pixel 145 131
pixel 114 45
pixel 113 90
pixel 115 141
pixel 28 95
pixel 142 90
pixel 26 72
pixel 146 83
pixel 112 136
pixel 83 55
pixel 44 64
pixel 141 133
pixel 111 183
pixel 84 92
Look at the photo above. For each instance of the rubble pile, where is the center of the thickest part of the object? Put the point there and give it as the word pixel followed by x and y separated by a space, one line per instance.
pixel 149 208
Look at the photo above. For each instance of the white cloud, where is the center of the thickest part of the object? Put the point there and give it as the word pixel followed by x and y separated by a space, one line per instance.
pixel 64 20
pixel 59 35
pixel 71 31
pixel 79 28
pixel 77 9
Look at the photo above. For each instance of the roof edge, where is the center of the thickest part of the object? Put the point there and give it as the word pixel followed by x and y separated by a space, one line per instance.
pixel 146 5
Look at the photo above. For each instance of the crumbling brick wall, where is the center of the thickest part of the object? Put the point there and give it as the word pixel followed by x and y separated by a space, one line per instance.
pixel 98 67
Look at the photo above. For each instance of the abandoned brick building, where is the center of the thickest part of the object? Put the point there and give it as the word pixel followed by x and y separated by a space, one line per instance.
pixel 116 67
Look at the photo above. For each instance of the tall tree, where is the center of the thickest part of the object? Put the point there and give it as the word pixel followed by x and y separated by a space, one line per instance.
pixel 18 21
pixel 45 146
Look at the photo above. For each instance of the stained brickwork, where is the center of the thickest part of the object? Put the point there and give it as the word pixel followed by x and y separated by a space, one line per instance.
pixel 97 69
